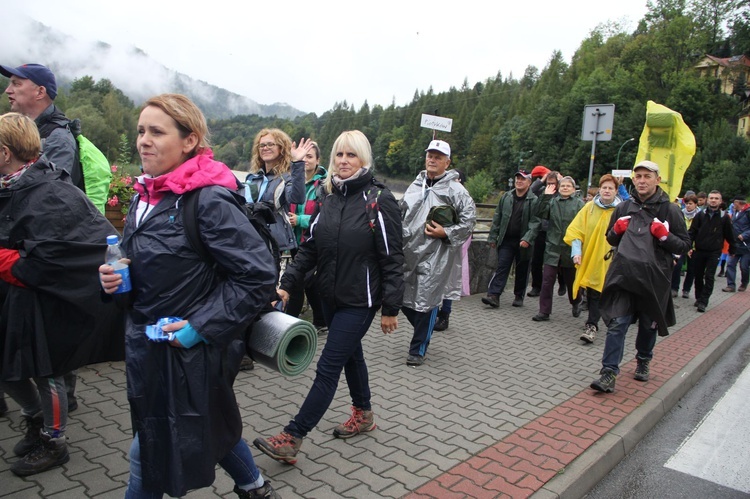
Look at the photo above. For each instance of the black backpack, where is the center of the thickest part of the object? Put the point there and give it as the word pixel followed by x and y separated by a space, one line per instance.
pixel 259 215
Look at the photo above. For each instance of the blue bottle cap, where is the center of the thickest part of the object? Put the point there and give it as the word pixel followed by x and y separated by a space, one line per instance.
pixel 113 239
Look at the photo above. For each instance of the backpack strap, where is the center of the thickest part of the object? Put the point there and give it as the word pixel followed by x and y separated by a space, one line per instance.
pixel 190 222
pixel 371 205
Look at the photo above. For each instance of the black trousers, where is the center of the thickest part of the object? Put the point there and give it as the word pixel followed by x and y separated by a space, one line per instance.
pixel 704 267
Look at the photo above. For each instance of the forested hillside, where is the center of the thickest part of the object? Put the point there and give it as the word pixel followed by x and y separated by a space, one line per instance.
pixel 506 121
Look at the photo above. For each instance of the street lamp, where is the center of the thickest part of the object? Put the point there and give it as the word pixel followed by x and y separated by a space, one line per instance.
pixel 617 163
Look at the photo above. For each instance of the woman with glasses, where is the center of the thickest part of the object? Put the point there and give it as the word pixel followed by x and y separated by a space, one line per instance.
pixel 355 245
pixel 277 178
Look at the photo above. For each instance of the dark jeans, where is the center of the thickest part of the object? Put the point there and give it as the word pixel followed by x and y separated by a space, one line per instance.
pixel 687 284
pixel 423 323
pixel 548 286
pixel 614 343
pixel 343 350
pixel 537 260
pixel 507 253
pixel 705 268
pixel 744 261
pixel 47 395
pixel 592 298
pixel 446 308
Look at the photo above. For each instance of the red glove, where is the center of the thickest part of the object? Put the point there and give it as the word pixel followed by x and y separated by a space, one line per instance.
pixel 7 258
pixel 621 225
pixel 659 229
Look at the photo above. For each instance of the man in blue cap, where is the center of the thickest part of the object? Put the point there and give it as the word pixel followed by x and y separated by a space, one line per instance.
pixel 31 91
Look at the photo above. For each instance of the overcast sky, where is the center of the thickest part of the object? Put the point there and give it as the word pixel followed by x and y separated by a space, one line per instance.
pixel 313 54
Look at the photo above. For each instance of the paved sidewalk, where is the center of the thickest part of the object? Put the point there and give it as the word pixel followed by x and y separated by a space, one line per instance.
pixel 501 408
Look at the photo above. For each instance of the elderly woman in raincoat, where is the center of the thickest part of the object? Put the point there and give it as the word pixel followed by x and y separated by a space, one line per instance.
pixel 185 415
pixel 586 235
pixel 438 216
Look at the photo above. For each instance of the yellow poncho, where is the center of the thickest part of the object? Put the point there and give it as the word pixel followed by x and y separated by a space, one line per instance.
pixel 590 226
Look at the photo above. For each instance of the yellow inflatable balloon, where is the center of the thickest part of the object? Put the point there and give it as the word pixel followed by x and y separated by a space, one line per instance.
pixel 667 141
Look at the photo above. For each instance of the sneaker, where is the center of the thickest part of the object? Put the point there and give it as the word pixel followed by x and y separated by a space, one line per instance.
pixel 282 447
pixel 701 307
pixel 491 300
pixel 686 294
pixel 415 360
pixel 606 383
pixel 518 301
pixel 49 453
pixel 540 317
pixel 32 438
pixel 743 287
pixel 247 364
pixel 360 421
pixel 589 334
pixel 577 309
pixel 441 324
pixel 641 369
pixel 728 289
pixel 534 292
pixel 264 492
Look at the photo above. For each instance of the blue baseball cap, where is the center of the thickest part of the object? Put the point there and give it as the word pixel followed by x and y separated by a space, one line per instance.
pixel 40 75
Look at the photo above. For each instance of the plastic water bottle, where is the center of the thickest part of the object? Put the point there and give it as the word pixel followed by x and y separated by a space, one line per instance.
pixel 113 256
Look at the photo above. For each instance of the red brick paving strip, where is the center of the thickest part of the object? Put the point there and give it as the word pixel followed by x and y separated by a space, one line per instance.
pixel 521 463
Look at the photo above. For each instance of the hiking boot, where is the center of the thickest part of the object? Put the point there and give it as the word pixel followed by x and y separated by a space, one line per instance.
pixel 518 301
pixel 491 300
pixel 743 287
pixel 264 492
pixel 589 334
pixel 247 364
pixel 360 421
pixel 686 294
pixel 48 453
pixel 33 427
pixel 728 289
pixel 606 383
pixel 534 292
pixel 442 323
pixel 540 317
pixel 641 369
pixel 577 309
pixel 415 360
pixel 282 447
pixel 701 307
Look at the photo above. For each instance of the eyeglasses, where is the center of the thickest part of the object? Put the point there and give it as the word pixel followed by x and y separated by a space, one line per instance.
pixel 266 145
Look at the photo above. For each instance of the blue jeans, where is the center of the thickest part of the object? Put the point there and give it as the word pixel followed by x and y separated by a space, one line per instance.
pixel 507 253
pixel 744 261
pixel 342 351
pixel 614 344
pixel 238 463
pixel 424 324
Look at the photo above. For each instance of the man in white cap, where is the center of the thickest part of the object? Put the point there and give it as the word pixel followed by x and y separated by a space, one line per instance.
pixel 647 229
pixel 438 216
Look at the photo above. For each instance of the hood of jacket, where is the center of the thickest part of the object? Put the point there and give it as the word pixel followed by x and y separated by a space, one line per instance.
pixel 598 201
pixel 199 171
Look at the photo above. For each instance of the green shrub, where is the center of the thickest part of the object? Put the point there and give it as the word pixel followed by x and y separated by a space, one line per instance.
pixel 480 185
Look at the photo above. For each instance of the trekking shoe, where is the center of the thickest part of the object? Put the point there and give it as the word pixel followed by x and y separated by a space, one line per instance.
pixel 577 309
pixel 701 307
pixel 415 360
pixel 264 492
pixel 33 427
pixel 3 407
pixel 606 383
pixel 360 421
pixel 491 300
pixel 589 334
pixel 48 453
pixel 540 317
pixel 534 292
pixel 686 294
pixel 442 323
pixel 282 447
pixel 641 369
pixel 247 364
pixel 743 287
pixel 728 289
pixel 518 301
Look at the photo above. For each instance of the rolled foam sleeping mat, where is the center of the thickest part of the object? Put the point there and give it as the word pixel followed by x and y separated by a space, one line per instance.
pixel 283 343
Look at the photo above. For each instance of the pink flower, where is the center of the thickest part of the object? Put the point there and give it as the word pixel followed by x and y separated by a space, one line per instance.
pixel 113 201
pixel 114 168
